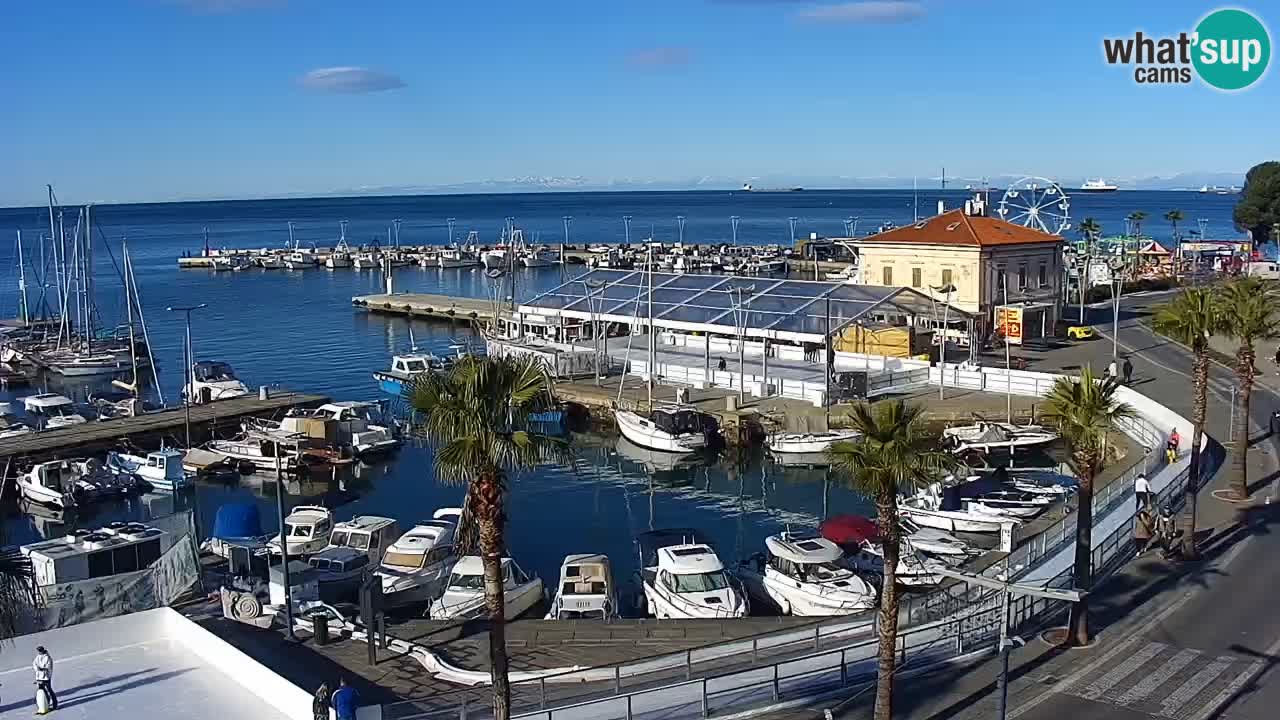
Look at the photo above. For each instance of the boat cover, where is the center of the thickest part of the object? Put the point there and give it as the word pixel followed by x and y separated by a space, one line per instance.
pixel 237 520
pixel 849 529
pixel 651 542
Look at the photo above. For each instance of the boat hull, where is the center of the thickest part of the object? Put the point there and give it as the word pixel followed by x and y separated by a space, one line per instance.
pixel 953 521
pixel 641 432
pixel 811 443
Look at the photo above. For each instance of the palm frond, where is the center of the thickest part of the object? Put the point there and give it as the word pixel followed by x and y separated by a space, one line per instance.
pixel 1190 318
pixel 18 596
pixel 1248 312
pixel 1084 410
pixel 895 454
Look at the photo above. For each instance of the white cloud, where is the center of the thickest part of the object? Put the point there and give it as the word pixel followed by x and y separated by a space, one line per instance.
pixel 350 80
pixel 879 12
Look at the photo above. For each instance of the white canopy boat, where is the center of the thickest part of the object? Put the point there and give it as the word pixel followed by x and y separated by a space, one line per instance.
pixel 809 442
pixel 806 575
pixel 52 410
pixel 162 469
pixel 669 428
pixel 682 577
pixel 258 451
pixel 357 426
pixel 464 592
pixel 307 529
pixel 416 564
pixel 586 590
pixel 929 508
pixel 212 381
pixel 859 538
pixel 935 542
pixel 370 534
pixel 404 368
pixel 451 258
pixel 71 483
pixel 988 436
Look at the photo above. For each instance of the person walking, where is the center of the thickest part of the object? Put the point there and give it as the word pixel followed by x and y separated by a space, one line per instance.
pixel 1143 530
pixel 320 703
pixel 1275 422
pixel 1278 360
pixel 43 667
pixel 345 699
pixel 1127 369
pixel 1111 370
pixel 722 364
pixel 1142 492
pixel 1171 450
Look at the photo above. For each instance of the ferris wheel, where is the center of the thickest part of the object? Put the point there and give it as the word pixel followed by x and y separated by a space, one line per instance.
pixel 1036 202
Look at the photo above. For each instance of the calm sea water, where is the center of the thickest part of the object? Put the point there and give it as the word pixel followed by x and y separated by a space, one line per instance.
pixel 298 330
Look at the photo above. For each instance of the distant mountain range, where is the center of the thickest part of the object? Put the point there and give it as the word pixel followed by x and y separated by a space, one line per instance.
pixel 1181 181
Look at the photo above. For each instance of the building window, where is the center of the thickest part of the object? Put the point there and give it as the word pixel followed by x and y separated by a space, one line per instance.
pixel 1000 279
pixel 915 277
pixel 1044 275
pixel 1022 277
pixel 888 275
pixel 946 277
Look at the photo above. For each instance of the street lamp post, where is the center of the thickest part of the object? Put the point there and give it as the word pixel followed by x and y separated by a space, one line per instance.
pixel 680 226
pixel 942 342
pixel 733 223
pixel 626 230
pixel 187 358
pixel 740 320
pixel 450 222
pixel 1118 273
pixel 592 303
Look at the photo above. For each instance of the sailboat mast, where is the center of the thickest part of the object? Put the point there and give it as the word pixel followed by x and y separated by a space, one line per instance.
pixel 653 353
pixel 22 284
pixel 128 300
pixel 88 278
pixel 53 234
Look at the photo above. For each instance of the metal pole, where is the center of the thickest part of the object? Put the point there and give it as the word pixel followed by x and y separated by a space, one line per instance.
pixel 451 221
pixel 733 222
pixel 942 347
pixel 827 352
pixel 1002 682
pixel 284 547
pixel 188 355
pixel 1008 362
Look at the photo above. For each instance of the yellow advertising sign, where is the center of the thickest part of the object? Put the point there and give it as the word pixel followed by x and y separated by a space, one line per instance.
pixel 1009 323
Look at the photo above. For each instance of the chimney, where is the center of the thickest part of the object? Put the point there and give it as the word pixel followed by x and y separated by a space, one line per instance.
pixel 942 207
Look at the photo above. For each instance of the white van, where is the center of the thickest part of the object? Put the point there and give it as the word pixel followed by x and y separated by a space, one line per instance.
pixel 1264 270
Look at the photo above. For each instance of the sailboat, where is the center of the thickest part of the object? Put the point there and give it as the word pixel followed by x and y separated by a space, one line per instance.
pixel 341 255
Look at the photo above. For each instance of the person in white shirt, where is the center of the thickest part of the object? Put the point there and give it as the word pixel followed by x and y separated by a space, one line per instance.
pixel 1142 492
pixel 43 667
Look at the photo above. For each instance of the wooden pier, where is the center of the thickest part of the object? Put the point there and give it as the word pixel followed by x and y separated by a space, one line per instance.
pixel 421 305
pixel 149 430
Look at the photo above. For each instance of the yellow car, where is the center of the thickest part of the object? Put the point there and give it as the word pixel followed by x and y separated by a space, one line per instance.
pixel 1080 332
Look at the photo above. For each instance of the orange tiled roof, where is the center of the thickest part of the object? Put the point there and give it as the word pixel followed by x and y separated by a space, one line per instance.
pixel 956 228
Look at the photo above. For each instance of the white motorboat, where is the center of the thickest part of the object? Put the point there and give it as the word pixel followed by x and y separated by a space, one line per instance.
pixel 809 442
pixel 66 484
pixel 416 564
pixel 682 577
pixel 52 410
pixel 536 258
pixel 456 258
pixel 258 451
pixel 269 262
pixel 850 275
pixel 463 595
pixel 494 259
pixel 929 508
pixel 337 260
pixel 299 260
pixel 1016 512
pixel 598 248
pixel 307 529
pixel 935 542
pixel 586 590
pixel 11 427
pixel 806 575
pixel 669 428
pixel 76 364
pixel 366 261
pixel 370 534
pixel 404 368
pixel 213 381
pixel 988 436
pixel 859 538
pixel 225 263
pixel 343 567
pixel 360 425
pixel 161 469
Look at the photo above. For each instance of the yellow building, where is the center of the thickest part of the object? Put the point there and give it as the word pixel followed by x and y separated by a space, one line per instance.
pixel 984 259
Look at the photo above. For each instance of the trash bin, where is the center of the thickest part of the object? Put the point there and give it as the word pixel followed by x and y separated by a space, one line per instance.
pixel 320 627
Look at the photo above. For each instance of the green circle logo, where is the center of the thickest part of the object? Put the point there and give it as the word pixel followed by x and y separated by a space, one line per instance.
pixel 1232 49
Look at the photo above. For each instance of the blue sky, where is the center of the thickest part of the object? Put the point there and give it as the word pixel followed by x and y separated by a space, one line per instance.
pixel 135 100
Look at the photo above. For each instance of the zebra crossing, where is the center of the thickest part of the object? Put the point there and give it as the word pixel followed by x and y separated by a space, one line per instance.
pixel 1163 680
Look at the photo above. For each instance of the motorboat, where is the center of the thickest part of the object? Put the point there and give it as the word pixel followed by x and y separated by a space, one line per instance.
pixel 161 469
pixel 494 259
pixel 71 483
pixel 988 436
pixel 212 381
pixel 850 275
pixel 585 591
pixel 78 364
pixel 307 529
pixel 339 568
pixel 259 451
pixel 598 248
pixel 809 442
pixel 463 596
pixel 806 575
pixel 269 262
pixel 299 260
pixel 341 255
pixel 450 258
pixel 10 425
pixel 229 263
pixel 536 258
pixel 860 540
pixel 945 510
pixel 414 567
pixel 370 534
pixel 682 577
pixel 669 428
pixel 404 368
pixel 936 543
pixel 237 525
pixel 52 410
pixel 358 426
pixel 366 261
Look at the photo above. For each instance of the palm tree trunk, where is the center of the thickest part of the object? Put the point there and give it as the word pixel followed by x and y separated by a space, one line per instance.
pixel 891 534
pixel 487 501
pixel 1200 384
pixel 1078 623
pixel 1240 423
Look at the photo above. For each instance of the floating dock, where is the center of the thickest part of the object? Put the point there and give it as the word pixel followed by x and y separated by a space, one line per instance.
pixel 420 305
pixel 147 431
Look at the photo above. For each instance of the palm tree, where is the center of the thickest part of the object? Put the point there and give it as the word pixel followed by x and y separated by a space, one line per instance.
pixel 1248 314
pixel 17 592
pixel 1174 217
pixel 1135 219
pixel 1090 229
pixel 476 415
pixel 1084 410
pixel 895 454
pixel 1191 319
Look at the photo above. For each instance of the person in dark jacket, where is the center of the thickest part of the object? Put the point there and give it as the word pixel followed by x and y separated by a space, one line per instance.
pixel 722 364
pixel 1127 369
pixel 345 699
pixel 320 704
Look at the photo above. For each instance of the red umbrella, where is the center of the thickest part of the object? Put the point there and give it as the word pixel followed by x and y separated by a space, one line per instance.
pixel 849 530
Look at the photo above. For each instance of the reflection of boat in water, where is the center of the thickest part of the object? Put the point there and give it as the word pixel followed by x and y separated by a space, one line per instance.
pixel 656 460
pixel 802 460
